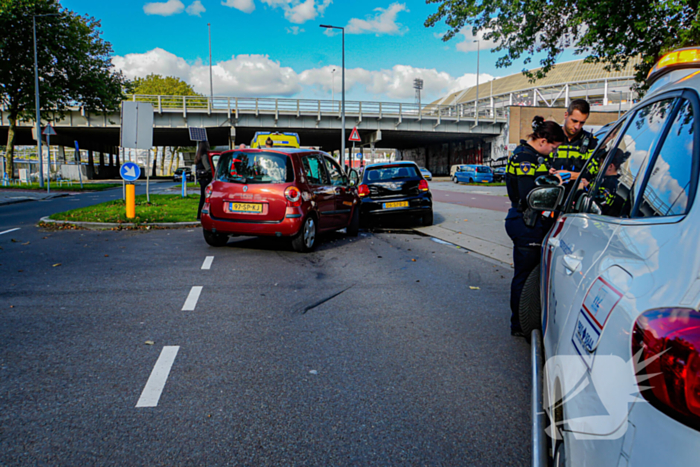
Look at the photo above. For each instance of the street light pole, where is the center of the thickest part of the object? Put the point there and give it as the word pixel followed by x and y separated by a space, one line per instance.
pixel 476 102
pixel 211 82
pixel 38 106
pixel 333 84
pixel 342 105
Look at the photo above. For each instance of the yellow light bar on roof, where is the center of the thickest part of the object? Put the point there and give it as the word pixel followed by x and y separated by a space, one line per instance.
pixel 678 57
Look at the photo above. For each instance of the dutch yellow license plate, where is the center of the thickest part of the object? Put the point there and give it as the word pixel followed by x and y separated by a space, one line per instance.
pixel 245 207
pixel 397 204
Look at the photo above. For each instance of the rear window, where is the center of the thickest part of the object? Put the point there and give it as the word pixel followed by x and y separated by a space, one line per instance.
pixel 254 167
pixel 483 170
pixel 381 174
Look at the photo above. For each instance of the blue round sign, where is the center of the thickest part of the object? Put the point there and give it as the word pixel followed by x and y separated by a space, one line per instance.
pixel 130 171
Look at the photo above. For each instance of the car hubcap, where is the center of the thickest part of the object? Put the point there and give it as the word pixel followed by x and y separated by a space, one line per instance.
pixel 309 233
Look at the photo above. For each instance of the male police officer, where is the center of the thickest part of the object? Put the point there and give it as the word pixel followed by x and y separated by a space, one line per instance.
pixel 572 155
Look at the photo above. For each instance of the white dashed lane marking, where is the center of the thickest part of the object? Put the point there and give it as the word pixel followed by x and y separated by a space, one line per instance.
pixel 156 382
pixel 192 298
pixel 207 262
pixel 12 230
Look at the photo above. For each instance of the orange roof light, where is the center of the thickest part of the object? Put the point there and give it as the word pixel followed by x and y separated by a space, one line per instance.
pixel 677 57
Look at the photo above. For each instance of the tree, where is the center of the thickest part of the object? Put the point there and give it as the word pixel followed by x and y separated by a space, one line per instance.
pixel 604 31
pixel 74 63
pixel 162 86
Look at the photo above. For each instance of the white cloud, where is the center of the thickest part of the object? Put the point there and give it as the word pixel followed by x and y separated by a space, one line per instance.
pixel 302 12
pixel 384 22
pixel 468 44
pixel 196 9
pixel 246 6
pixel 171 7
pixel 259 76
pixel 294 30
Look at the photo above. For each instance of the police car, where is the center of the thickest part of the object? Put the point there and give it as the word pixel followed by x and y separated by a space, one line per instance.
pixel 618 290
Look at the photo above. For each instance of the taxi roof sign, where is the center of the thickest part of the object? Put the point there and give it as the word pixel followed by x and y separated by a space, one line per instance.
pixel 355 135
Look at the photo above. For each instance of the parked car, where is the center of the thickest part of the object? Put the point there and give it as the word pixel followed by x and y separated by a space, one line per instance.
pixel 280 192
pixel 426 173
pixel 455 168
pixel 283 140
pixel 473 174
pixel 499 174
pixel 393 191
pixel 618 290
pixel 177 175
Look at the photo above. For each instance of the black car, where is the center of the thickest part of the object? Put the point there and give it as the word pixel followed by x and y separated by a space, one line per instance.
pixel 177 175
pixel 499 174
pixel 394 191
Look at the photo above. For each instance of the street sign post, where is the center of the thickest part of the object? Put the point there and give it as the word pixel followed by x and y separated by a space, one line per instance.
pixel 137 132
pixel 130 172
pixel 48 132
pixel 354 137
pixel 80 163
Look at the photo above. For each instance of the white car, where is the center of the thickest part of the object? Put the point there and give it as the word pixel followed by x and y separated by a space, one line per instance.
pixel 618 290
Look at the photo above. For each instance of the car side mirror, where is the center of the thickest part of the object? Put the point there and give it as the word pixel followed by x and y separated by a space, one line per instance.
pixel 353 177
pixel 545 198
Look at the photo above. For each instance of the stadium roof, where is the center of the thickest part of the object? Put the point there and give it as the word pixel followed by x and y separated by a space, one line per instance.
pixel 563 73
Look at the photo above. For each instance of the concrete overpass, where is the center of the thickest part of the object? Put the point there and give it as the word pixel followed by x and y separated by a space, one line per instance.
pixel 231 120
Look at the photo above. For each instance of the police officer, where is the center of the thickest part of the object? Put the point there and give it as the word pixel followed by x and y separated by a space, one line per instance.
pixel 571 156
pixel 527 228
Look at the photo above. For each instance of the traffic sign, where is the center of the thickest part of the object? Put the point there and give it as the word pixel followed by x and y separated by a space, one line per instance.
pixel 49 131
pixel 355 135
pixel 130 171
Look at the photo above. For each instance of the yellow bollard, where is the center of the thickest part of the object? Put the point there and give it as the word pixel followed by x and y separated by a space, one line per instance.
pixel 130 201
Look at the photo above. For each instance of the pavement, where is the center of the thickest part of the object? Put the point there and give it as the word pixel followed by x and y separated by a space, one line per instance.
pixel 468 216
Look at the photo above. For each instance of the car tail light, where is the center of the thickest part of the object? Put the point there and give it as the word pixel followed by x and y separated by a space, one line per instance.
pixel 668 375
pixel 207 193
pixel 423 185
pixel 363 190
pixel 293 196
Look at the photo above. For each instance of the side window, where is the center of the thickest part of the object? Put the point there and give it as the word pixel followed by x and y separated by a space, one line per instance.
pixel 334 172
pixel 668 190
pixel 615 189
pixel 313 170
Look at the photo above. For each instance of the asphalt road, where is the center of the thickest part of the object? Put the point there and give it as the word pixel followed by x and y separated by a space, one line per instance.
pixel 353 355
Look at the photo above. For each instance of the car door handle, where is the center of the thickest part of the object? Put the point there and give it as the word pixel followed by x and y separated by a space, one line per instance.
pixel 571 263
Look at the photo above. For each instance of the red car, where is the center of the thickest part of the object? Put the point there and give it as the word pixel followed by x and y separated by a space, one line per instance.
pixel 280 192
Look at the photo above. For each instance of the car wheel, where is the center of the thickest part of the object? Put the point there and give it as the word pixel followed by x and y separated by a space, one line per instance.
pixel 530 309
pixel 305 240
pixel 454 179
pixel 470 181
pixel 354 226
pixel 428 218
pixel 215 239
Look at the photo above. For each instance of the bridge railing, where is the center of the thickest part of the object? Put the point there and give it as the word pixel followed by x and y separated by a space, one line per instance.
pixel 298 107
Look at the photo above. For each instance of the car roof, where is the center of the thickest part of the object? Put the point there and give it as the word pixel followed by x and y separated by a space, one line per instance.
pixel 387 164
pixel 284 150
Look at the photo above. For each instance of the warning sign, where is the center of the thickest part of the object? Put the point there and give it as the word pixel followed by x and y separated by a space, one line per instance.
pixel 355 135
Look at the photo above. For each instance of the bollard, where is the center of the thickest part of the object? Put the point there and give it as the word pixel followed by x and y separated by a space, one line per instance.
pixel 130 201
pixel 184 184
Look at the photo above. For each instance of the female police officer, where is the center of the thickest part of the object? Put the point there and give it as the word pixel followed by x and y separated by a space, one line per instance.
pixel 527 228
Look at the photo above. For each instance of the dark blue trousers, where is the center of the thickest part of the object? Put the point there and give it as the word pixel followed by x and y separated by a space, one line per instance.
pixel 527 253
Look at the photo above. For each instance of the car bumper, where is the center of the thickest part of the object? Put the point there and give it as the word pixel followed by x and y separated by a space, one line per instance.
pixel 287 227
pixel 419 205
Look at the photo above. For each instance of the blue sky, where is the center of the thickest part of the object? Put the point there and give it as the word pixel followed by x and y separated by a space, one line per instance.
pixel 268 48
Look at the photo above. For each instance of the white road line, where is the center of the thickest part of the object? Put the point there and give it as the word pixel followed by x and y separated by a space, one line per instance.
pixel 12 230
pixel 192 298
pixel 207 262
pixel 156 382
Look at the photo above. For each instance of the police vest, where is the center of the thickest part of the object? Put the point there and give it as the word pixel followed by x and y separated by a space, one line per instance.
pixel 525 162
pixel 572 155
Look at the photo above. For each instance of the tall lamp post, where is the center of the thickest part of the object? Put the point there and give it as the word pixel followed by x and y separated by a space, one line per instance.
pixel 342 105
pixel 38 106
pixel 333 85
pixel 476 102
pixel 211 81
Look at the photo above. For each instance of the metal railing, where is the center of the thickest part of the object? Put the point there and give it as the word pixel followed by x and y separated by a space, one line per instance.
pixel 235 106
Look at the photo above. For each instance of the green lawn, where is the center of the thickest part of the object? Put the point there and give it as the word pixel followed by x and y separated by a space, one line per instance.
pixel 162 208
pixel 64 187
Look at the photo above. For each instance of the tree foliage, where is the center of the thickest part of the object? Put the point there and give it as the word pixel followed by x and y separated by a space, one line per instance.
pixel 603 31
pixel 74 62
pixel 162 86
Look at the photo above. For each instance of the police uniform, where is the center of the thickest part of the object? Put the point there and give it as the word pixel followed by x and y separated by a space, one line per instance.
pixel 572 155
pixel 527 229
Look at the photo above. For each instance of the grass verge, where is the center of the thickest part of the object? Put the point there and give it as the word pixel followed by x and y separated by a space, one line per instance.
pixel 54 187
pixel 162 208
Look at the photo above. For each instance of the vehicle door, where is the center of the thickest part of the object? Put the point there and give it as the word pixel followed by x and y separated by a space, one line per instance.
pixel 344 196
pixel 323 194
pixel 584 283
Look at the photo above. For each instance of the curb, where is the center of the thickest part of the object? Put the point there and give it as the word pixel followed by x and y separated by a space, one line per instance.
pixel 24 200
pixel 112 225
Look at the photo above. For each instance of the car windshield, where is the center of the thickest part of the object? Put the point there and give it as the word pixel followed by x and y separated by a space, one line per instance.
pixel 483 170
pixel 381 174
pixel 254 167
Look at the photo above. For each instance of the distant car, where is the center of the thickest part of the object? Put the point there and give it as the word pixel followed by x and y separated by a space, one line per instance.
pixel 177 175
pixel 473 174
pixel 392 191
pixel 455 168
pixel 499 174
pixel 280 192
pixel 426 173
pixel 279 140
